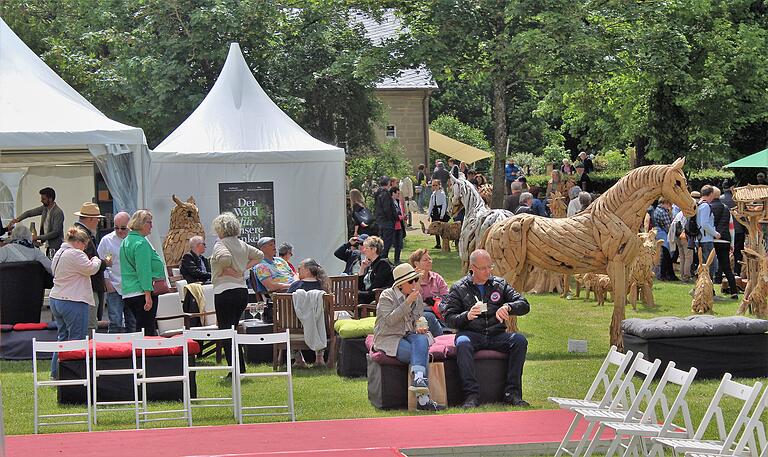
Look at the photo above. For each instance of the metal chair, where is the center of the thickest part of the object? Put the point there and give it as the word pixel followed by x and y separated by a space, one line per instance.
pixel 217 336
pixel 61 346
pixel 98 373
pixel 272 339
pixel 142 346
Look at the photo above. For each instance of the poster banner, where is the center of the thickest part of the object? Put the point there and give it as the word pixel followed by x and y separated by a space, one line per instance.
pixel 253 203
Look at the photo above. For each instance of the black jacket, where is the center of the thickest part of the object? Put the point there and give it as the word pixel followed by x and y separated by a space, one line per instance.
pixel 190 268
pixel 585 182
pixel 381 275
pixel 524 210
pixel 722 219
pixel 349 255
pixel 385 209
pixel 97 279
pixel 463 296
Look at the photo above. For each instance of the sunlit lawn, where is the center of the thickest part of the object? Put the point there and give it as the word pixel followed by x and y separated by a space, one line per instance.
pixel 321 394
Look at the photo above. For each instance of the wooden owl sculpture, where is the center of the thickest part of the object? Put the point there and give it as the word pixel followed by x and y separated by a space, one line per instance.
pixel 185 223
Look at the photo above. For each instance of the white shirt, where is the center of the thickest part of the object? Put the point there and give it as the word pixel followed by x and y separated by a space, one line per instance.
pixel 110 244
pixel 438 199
pixel 574 207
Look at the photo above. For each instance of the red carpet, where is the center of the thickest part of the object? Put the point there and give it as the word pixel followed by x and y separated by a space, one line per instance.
pixel 366 437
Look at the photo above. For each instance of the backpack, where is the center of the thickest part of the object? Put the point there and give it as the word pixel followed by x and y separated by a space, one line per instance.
pixel 692 229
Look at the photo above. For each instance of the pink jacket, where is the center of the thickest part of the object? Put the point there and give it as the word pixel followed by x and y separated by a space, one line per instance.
pixel 72 271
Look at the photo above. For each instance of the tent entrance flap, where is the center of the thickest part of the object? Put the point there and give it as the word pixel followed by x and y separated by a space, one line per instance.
pixel 456 149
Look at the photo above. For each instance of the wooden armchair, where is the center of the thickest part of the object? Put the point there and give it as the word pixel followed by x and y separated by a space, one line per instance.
pixel 347 297
pixel 285 319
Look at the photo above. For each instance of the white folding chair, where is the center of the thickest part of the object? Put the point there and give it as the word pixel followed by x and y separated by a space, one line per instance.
pixel 216 335
pixel 618 404
pixel 242 339
pixel 658 402
pixel 61 346
pixel 100 373
pixel 148 344
pixel 614 359
pixel 726 440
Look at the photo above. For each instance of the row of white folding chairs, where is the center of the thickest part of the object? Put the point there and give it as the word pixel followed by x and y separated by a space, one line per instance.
pixel 633 415
pixel 141 378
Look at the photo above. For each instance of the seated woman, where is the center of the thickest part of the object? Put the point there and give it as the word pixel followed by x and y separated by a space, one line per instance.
pixel 433 288
pixel 400 332
pixel 194 266
pixel 375 271
pixel 311 277
pixel 21 249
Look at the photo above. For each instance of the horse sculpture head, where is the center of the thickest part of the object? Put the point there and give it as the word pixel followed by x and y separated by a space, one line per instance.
pixel 456 194
pixel 675 188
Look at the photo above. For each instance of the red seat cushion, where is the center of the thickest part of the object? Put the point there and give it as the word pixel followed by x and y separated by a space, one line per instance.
pixel 6 327
pixel 123 350
pixel 31 326
pixel 437 353
pixel 484 354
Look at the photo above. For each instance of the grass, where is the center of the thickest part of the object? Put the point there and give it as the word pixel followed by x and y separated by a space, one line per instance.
pixel 321 394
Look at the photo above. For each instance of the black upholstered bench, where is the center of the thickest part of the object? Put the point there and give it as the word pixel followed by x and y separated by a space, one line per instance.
pixel 714 345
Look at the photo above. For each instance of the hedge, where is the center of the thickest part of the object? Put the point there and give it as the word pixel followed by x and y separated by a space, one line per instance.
pixel 603 180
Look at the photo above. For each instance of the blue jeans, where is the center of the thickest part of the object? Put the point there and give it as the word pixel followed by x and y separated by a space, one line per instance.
pixel 116 310
pixel 72 319
pixel 706 248
pixel 414 349
pixel 435 326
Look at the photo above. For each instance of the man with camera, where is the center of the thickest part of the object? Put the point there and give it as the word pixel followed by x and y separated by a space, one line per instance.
pixel 349 253
pixel 477 306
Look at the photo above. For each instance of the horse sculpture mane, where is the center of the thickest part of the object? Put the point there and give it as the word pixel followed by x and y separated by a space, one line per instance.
pixel 600 239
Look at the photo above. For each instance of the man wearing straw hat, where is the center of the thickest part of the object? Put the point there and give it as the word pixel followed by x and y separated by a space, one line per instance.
pixel 88 220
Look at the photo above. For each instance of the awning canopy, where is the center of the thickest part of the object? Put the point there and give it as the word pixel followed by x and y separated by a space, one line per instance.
pixel 756 160
pixel 456 149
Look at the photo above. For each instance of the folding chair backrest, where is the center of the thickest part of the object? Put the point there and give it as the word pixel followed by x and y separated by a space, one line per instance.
pixel 160 343
pixel 59 346
pixel 345 289
pixel 266 338
pixel 210 335
pixel 754 430
pixel 729 388
pixel 642 395
pixel 678 407
pixel 625 392
pixel 116 337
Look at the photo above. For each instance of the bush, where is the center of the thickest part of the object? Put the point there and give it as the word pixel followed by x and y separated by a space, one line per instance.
pixel 613 159
pixel 366 166
pixel 530 163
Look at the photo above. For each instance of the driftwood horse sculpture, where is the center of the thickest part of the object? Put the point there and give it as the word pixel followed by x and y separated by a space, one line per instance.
pixel 600 239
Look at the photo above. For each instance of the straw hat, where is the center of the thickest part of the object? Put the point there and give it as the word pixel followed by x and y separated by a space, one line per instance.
pixel 404 273
pixel 695 194
pixel 89 210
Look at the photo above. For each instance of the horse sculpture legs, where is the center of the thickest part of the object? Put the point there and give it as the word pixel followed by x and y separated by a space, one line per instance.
pixel 618 273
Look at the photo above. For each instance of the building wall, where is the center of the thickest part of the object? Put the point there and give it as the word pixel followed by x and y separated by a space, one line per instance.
pixel 405 110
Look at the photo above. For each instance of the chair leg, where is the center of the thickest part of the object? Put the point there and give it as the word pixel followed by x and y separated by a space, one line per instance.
pixel 332 355
pixel 567 438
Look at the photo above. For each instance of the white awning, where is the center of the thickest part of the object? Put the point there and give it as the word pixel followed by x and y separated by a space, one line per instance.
pixel 456 149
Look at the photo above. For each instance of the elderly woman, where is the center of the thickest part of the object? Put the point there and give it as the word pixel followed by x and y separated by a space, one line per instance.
pixel 311 277
pixel 556 184
pixel 375 271
pixel 140 267
pixel 433 288
pixel 285 251
pixel 21 248
pixel 401 331
pixel 231 258
pixel 194 266
pixel 574 205
pixel 71 296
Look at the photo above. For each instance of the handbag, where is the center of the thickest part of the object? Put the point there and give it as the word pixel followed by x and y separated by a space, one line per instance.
pixel 437 390
pixel 160 286
pixel 363 216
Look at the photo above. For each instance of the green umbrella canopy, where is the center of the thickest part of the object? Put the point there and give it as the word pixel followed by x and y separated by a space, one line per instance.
pixel 756 160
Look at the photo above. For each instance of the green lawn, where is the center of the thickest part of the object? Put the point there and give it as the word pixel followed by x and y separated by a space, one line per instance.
pixel 320 394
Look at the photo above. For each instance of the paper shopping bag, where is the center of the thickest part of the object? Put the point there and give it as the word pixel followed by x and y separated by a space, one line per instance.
pixel 437 391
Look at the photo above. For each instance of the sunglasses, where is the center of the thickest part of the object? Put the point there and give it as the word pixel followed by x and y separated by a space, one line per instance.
pixel 413 280
pixel 117 227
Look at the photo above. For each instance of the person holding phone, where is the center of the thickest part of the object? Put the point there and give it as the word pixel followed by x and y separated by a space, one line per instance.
pixel 349 253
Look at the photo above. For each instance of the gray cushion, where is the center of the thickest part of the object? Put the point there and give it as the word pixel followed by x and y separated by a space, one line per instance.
pixel 677 327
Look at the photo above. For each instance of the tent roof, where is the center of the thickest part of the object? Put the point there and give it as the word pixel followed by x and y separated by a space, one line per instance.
pixel 238 116
pixel 456 149
pixel 40 110
pixel 756 160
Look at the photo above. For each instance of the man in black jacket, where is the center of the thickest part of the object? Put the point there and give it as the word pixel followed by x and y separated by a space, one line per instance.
pixel 723 244
pixel 385 214
pixel 88 221
pixel 477 307
pixel 349 253
pixel 194 266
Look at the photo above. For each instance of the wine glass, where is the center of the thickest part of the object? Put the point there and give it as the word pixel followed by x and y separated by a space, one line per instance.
pixel 252 310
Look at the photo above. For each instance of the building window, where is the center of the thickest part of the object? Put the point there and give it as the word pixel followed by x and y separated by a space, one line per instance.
pixel 391 131
pixel 6 203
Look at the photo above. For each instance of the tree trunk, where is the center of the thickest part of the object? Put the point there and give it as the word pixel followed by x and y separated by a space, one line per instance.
pixel 641 146
pixel 500 139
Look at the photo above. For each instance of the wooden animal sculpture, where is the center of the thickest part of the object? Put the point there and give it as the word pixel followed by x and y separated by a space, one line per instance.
pixel 602 287
pixel 185 223
pixel 756 294
pixel 486 193
pixel 703 292
pixel 641 269
pixel 601 238
pixel 557 205
pixel 478 217
pixel 447 231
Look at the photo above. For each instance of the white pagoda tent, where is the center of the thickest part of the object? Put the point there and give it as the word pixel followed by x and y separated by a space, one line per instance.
pixel 51 136
pixel 239 135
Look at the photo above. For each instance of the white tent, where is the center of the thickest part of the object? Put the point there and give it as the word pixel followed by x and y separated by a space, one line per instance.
pixel 239 135
pixel 47 130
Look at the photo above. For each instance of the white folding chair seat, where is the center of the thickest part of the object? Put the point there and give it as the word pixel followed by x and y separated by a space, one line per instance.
pixel 147 344
pixel 615 359
pixel 242 339
pixel 725 442
pixel 214 334
pixel 100 373
pixel 615 411
pixel 61 346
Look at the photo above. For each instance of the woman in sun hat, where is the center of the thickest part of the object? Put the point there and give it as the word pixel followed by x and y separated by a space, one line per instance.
pixel 402 332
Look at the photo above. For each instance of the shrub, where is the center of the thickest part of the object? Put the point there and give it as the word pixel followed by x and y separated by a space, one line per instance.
pixel 366 166
pixel 613 159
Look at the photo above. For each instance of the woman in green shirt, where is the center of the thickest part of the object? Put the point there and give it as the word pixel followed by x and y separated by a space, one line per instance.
pixel 139 266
